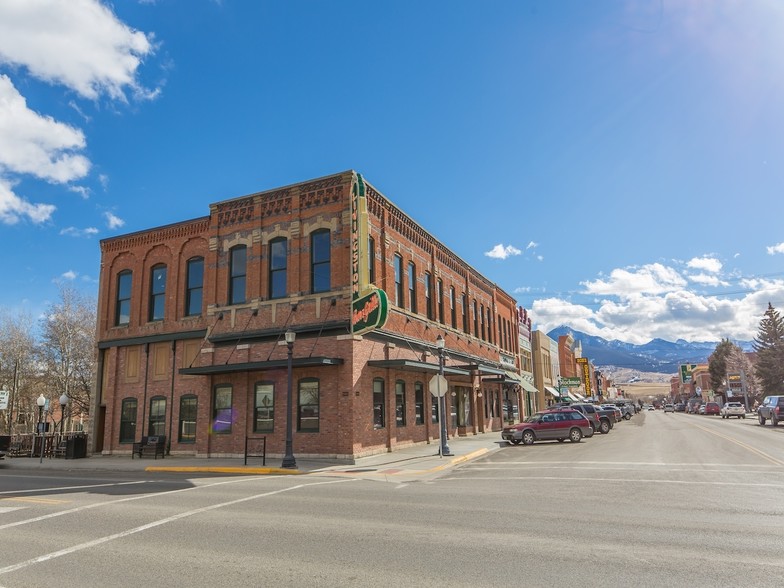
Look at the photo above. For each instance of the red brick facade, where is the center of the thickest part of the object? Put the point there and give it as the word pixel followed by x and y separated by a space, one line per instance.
pixel 156 361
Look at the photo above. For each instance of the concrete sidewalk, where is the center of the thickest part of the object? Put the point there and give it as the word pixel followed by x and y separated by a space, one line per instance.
pixel 409 461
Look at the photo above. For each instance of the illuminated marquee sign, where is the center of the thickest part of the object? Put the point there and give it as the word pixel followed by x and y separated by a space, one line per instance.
pixel 586 375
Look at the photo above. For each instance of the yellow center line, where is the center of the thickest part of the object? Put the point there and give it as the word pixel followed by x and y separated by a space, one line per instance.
pixel 35 500
pixel 762 454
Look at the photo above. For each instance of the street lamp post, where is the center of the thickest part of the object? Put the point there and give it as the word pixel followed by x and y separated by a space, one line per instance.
pixel 63 404
pixel 442 398
pixel 288 458
pixel 41 401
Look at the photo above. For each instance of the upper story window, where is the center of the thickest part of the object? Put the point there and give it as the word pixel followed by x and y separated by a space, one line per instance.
pixel 482 320
pixel 464 303
pixel 157 292
pixel 489 325
pixel 278 259
pixel 440 295
pixel 428 296
pixel 476 320
pixel 320 261
pixel 238 270
pixel 452 307
pixel 412 298
pixel 371 260
pixel 122 312
pixel 398 266
pixel 194 286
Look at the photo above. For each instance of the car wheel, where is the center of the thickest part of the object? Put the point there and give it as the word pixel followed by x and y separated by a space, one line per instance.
pixel 761 420
pixel 774 420
pixel 627 416
pixel 528 438
pixel 575 435
pixel 743 416
pixel 604 427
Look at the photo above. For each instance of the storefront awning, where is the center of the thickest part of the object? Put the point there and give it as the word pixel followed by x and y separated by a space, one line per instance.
pixel 259 366
pixel 528 386
pixel 553 391
pixel 416 366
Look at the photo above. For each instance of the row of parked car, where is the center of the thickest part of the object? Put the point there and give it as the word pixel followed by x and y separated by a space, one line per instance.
pixel 573 421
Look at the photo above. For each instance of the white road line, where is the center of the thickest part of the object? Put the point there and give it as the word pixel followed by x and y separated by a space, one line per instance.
pixel 127 499
pixel 33 490
pixel 5 509
pixel 171 519
pixel 629 480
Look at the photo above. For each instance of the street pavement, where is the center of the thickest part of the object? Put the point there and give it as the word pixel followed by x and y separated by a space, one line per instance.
pixel 405 463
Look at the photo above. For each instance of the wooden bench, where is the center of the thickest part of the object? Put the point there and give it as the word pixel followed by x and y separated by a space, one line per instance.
pixel 152 445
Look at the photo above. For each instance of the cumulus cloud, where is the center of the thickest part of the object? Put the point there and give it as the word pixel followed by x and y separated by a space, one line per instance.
pixel 112 221
pixel 69 275
pixel 708 264
pixel 74 232
pixel 774 249
pixel 80 44
pixel 502 252
pixel 653 278
pixel 14 208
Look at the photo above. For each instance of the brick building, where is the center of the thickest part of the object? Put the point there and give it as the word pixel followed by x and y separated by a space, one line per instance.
pixel 192 317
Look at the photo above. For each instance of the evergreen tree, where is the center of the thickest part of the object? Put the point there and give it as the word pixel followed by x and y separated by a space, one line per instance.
pixel 769 345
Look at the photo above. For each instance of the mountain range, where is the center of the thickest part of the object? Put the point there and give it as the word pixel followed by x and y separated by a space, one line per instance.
pixel 657 355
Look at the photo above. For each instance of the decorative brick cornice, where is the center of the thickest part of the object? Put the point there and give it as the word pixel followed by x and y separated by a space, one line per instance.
pixel 196 227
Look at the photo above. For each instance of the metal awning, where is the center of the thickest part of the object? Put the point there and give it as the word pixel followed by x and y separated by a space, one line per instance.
pixel 553 391
pixel 528 386
pixel 259 366
pixel 416 366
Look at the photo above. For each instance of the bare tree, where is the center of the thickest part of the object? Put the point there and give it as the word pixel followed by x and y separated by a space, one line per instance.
pixel 68 349
pixel 19 371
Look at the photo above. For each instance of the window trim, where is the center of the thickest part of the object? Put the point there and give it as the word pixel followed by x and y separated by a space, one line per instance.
pixel 182 438
pixel 121 302
pixel 238 276
pixel 397 265
pixel 157 295
pixel 301 406
pixel 274 271
pixel 315 265
pixel 191 289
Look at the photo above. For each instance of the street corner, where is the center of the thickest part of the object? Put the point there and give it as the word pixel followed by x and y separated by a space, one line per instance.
pixel 237 470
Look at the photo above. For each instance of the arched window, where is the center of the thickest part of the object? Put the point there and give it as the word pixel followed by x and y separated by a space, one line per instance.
pixel 128 420
pixel 419 403
pixel 400 403
pixel 122 309
pixel 187 426
pixel 412 297
pixel 278 261
pixel 194 286
pixel 428 295
pixel 398 267
pixel 320 264
pixel 157 422
pixel 440 294
pixel 238 270
pixel 452 307
pixel 157 292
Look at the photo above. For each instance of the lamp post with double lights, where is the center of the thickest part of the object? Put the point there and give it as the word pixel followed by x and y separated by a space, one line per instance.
pixel 41 402
pixel 288 457
pixel 442 398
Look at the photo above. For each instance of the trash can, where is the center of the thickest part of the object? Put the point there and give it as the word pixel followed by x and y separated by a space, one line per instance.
pixel 76 447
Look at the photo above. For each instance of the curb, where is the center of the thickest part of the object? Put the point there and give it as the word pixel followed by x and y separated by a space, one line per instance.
pixel 225 470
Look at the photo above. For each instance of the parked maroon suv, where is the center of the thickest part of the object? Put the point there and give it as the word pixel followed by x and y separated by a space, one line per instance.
pixel 555 423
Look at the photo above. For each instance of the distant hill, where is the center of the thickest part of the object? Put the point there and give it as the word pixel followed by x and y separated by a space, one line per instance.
pixel 657 355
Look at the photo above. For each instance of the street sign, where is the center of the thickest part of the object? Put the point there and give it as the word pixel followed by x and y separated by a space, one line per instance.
pixel 438 386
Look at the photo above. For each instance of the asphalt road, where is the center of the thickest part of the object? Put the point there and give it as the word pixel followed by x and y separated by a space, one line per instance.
pixel 663 500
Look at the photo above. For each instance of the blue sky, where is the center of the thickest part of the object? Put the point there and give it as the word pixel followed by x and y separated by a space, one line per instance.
pixel 615 166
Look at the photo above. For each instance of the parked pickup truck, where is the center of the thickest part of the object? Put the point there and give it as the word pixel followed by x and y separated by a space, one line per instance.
pixel 733 409
pixel 601 420
pixel 772 408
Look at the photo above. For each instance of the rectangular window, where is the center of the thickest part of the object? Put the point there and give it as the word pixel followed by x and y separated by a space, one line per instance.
pixel 320 272
pixel 308 406
pixel 195 286
pixel 378 404
pixel 412 298
pixel 440 295
pixel 221 409
pixel 452 307
pixel 433 409
pixel 264 408
pixel 128 420
pixel 157 292
pixel 489 325
pixel 482 320
pixel 187 428
pixel 476 320
pixel 428 296
pixel 400 403
pixel 371 260
pixel 419 403
pixel 123 305
pixel 238 268
pixel 398 266
pixel 464 302
pixel 278 259
pixel 157 424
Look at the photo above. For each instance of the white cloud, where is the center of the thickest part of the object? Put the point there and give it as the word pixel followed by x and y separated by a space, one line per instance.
pixel 69 275
pixel 707 280
pixel 80 44
pixel 651 279
pixel 708 264
pixel 531 245
pixel 13 208
pixel 37 145
pixel 104 180
pixel 502 252
pixel 773 249
pixel 112 221
pixel 83 191
pixel 74 232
